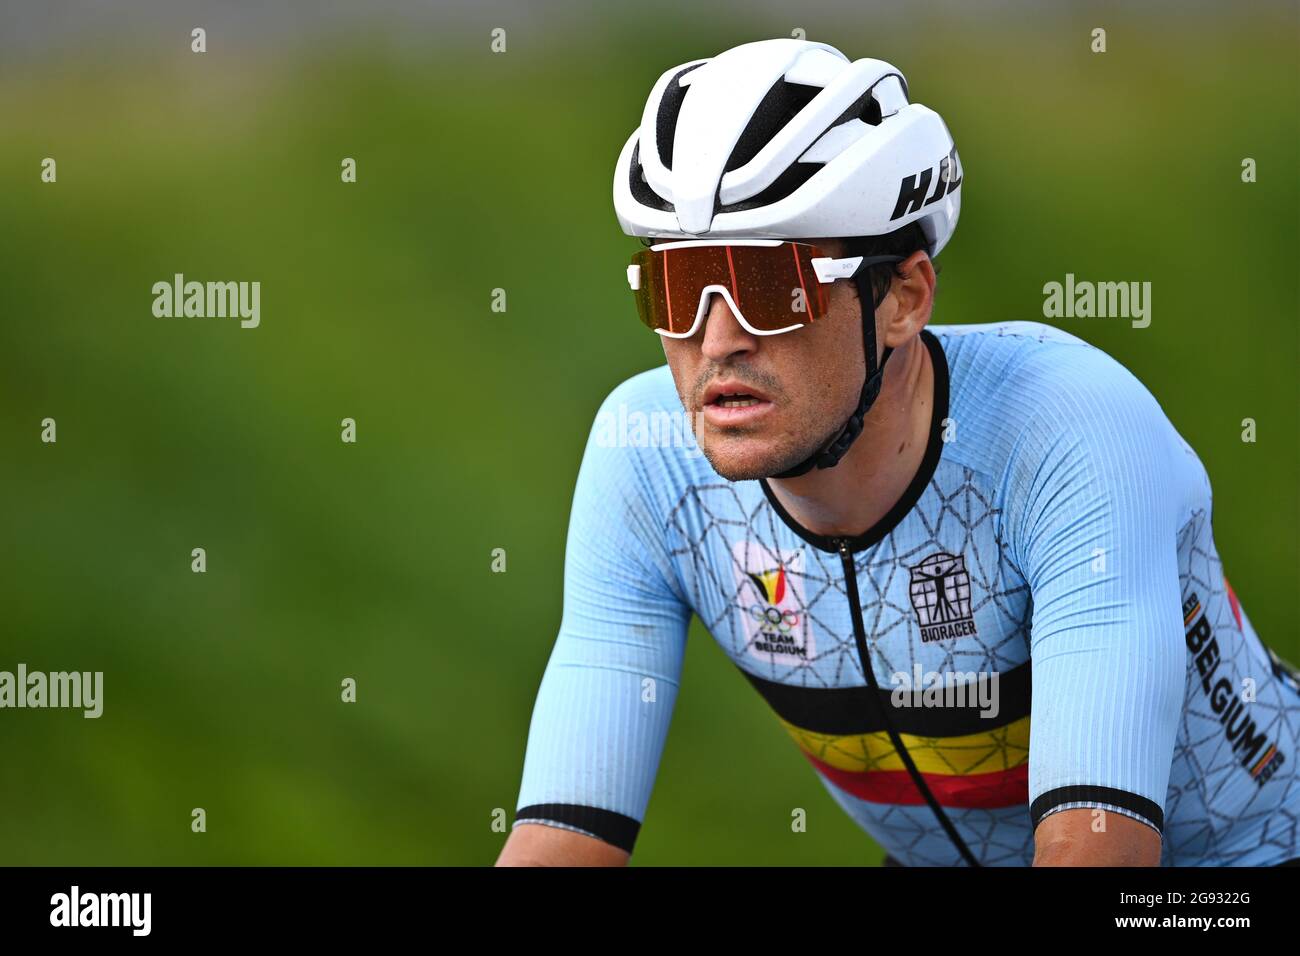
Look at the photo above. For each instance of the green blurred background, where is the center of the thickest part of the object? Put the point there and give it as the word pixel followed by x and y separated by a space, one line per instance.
pixel 477 171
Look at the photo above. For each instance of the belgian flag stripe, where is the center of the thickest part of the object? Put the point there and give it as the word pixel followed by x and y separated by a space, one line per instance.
pixel 986 791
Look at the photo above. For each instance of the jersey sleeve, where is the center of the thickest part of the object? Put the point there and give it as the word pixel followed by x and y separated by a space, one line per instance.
pixel 603 709
pixel 1092 499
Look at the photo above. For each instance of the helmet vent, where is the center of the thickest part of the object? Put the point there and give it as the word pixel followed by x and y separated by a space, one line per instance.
pixel 782 186
pixel 666 119
pixel 870 111
pixel 640 189
pixel 780 105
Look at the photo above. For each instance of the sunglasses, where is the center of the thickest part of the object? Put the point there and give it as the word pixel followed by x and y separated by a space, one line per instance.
pixel 771 285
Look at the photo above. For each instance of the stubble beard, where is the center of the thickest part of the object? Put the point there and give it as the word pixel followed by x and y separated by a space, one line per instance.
pixel 774 463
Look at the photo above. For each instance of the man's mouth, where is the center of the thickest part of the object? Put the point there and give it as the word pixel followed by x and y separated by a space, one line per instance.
pixel 741 400
pixel 725 391
pixel 733 403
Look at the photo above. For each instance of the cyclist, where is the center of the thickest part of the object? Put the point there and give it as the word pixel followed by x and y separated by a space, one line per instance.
pixel 891 524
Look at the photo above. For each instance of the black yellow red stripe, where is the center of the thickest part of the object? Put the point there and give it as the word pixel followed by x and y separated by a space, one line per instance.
pixel 1005 788
pixel 985 769
pixel 966 758
pixel 1263 761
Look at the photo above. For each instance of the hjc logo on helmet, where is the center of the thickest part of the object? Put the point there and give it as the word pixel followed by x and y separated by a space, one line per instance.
pixel 912 189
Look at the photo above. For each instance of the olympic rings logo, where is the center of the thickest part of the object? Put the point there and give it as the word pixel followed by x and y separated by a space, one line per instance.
pixel 771 617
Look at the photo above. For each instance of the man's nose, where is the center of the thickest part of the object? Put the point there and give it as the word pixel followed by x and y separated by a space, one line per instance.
pixel 724 336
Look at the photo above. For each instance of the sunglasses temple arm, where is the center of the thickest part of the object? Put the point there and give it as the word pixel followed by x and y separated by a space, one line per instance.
pixel 874 261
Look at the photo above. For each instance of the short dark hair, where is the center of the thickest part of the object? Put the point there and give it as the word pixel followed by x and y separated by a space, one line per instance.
pixel 901 242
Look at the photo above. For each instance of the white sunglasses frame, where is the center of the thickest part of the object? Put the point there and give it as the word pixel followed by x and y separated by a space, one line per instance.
pixel 827 269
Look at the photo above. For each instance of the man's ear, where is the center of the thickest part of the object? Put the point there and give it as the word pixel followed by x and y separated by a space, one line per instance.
pixel 912 290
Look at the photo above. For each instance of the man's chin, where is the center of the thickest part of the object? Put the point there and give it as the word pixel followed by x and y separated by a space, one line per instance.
pixel 750 460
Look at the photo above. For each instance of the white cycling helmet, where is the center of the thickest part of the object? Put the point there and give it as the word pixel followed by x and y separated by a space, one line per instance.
pixel 786 139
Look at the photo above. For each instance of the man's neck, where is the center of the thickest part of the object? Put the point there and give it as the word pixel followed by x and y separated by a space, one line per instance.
pixel 851 497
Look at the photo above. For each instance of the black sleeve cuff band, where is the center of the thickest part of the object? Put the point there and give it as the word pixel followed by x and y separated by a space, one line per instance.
pixel 614 828
pixel 1148 810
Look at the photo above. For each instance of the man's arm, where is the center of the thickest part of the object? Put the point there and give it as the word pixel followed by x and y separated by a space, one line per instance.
pixel 1096 492
pixel 534 844
pixel 602 712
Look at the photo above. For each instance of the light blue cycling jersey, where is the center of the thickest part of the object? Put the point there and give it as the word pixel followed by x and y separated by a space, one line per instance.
pixel 1058 523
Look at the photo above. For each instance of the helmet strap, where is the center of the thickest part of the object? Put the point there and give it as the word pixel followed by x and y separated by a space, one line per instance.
pixel 833 450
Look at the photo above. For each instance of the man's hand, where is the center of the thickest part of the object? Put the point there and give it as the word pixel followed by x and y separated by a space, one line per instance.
pixel 1067 838
pixel 535 844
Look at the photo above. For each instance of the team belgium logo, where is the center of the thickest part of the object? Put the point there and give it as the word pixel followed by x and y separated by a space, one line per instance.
pixel 770 604
pixel 941 597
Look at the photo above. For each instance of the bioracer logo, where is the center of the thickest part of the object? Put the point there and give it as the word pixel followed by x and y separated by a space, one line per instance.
pixel 940 593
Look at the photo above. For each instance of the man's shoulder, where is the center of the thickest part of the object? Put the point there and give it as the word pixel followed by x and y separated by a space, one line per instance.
pixel 649 391
pixel 1012 334
pixel 1012 380
pixel 999 352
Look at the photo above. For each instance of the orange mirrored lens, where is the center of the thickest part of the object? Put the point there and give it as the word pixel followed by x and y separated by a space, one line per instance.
pixel 773 287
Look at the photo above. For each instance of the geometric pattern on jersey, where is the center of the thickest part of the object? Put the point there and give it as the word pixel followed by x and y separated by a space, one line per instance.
pixel 1213 794
pixel 976 767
